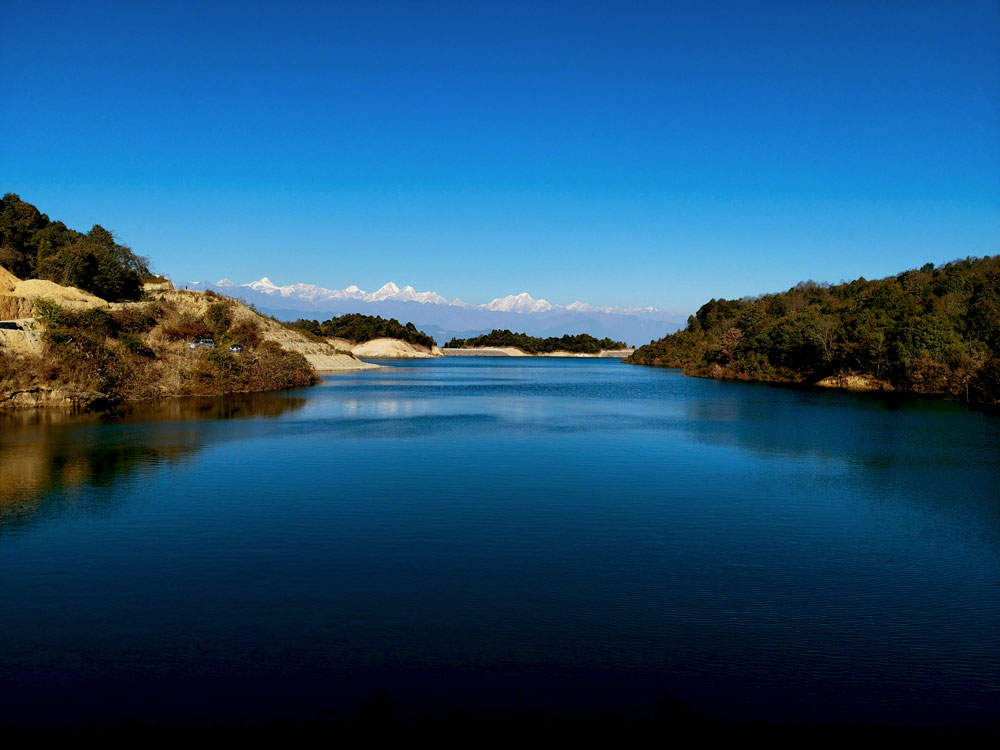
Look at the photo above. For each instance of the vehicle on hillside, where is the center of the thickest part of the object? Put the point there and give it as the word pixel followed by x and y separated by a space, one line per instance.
pixel 202 344
pixel 236 348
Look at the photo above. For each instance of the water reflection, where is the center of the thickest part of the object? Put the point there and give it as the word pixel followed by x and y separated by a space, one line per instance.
pixel 921 453
pixel 596 533
pixel 51 453
pixel 868 430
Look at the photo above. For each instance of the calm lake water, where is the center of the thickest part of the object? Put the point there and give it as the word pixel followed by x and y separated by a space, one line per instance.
pixel 543 536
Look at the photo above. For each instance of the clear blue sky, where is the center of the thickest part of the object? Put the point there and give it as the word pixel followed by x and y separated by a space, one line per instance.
pixel 613 152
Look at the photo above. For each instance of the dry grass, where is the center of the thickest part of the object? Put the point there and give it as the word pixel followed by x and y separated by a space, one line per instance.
pixel 128 351
pixel 138 351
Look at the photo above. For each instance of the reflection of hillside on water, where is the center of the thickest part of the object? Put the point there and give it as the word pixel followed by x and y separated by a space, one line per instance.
pixel 45 450
pixel 861 430
pixel 901 450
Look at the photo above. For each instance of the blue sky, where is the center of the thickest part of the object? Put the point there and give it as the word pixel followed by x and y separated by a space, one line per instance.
pixel 613 152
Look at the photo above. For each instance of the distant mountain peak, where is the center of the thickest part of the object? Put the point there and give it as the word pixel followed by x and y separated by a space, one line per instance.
pixel 519 303
pixel 264 285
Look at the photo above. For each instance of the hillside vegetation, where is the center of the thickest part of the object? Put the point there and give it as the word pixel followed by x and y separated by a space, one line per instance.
pixel 358 328
pixel 935 330
pixel 62 343
pixel 582 343
pixel 33 247
pixel 140 350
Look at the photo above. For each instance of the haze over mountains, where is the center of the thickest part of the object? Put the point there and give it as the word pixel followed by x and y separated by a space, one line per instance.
pixel 443 318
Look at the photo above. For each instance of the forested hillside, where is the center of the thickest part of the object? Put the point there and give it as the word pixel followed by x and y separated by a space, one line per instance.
pixel 33 247
pixel 359 328
pixel 582 343
pixel 934 330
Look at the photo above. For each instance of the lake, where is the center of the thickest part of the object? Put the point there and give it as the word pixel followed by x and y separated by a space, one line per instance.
pixel 543 537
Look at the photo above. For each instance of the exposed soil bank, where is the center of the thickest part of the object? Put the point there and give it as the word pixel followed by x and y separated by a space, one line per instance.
pixel 510 351
pixel 393 349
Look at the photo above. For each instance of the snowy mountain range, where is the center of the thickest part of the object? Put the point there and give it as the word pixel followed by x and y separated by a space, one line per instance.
pixel 443 319
pixel 519 303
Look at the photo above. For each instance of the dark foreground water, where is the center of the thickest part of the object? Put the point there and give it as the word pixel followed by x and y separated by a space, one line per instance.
pixel 543 537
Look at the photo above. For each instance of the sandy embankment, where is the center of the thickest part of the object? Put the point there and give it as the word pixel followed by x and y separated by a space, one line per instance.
pixel 604 353
pixel 511 351
pixel 485 351
pixel 18 332
pixel 392 349
pixel 17 298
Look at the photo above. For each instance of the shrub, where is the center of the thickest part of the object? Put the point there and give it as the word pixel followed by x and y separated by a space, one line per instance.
pixel 96 321
pixel 273 368
pixel 246 332
pixel 48 312
pixel 134 345
pixel 225 363
pixel 985 386
pixel 187 328
pixel 15 370
pixel 138 318
pixel 218 319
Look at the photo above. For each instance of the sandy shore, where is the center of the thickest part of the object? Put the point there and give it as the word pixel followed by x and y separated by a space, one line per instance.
pixel 510 351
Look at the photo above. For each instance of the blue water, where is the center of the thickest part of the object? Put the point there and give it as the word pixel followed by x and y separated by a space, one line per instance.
pixel 552 537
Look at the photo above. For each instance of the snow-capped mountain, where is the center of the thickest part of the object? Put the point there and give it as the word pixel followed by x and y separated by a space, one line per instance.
pixel 314 293
pixel 443 318
pixel 518 303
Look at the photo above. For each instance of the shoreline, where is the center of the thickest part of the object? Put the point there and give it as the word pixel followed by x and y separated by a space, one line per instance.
pixel 854 384
pixel 511 351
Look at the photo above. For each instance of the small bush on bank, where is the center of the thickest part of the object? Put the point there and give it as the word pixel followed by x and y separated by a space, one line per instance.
pixel 139 318
pixel 134 345
pixel 16 370
pixel 187 328
pixel 218 319
pixel 246 332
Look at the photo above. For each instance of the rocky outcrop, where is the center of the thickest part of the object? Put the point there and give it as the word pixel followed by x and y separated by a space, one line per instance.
pixel 33 398
pixel 855 383
pixel 158 285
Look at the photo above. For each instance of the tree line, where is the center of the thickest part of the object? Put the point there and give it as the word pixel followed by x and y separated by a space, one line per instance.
pixel 582 343
pixel 359 328
pixel 34 247
pixel 933 330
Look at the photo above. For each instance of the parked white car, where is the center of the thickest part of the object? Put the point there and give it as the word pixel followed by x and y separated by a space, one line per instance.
pixel 202 344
